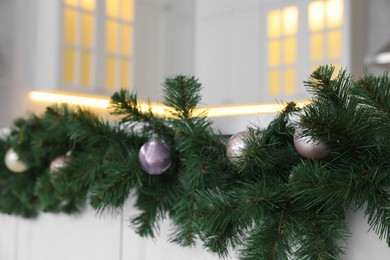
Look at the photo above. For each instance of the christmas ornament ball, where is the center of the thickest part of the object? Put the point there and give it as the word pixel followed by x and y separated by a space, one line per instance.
pixel 13 162
pixel 155 157
pixel 59 162
pixel 235 145
pixel 309 147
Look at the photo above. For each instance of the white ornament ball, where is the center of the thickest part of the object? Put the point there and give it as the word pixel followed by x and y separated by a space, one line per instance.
pixel 13 162
pixel 59 163
pixel 236 144
pixel 309 147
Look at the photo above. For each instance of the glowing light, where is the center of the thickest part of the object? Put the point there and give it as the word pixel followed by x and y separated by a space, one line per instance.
pixel 158 108
pixel 51 97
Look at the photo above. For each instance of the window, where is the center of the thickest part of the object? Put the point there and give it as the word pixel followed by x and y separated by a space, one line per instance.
pixel 317 38
pixel 325 20
pixel 282 28
pixel 97 44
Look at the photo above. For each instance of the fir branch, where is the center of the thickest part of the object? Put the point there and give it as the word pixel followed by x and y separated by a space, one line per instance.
pixel 182 94
pixel 324 88
pixel 373 92
pixel 320 235
pixel 126 104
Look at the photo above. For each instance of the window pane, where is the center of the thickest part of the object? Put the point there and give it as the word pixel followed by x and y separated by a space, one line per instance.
pixel 111 36
pixel 87 30
pixel 334 13
pixel 289 81
pixel 88 4
pixel 126 40
pixel 70 26
pixel 274 24
pixel 72 2
pixel 316 15
pixel 273 53
pixel 85 68
pixel 316 47
pixel 127 10
pixel 289 51
pixel 290 20
pixel 334 44
pixel 112 7
pixel 110 73
pixel 273 82
pixel 68 65
pixel 125 74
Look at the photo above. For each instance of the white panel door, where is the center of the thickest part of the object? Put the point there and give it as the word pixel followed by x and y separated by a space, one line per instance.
pixel 64 237
pixel 8 228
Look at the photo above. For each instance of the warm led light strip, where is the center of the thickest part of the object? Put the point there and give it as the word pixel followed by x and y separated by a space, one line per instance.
pixel 212 111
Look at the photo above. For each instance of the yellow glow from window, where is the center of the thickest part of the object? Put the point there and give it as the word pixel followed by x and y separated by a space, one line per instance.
pixel 87 30
pixel 290 20
pixel 289 50
pixel 69 26
pixel 274 24
pixel 71 2
pixel 111 36
pixel 85 68
pixel 127 10
pixel 273 53
pixel 125 73
pixel 316 15
pixel 112 7
pixel 316 47
pixel 88 4
pixel 334 13
pixel 289 81
pixel 334 44
pixel 68 65
pixel 159 109
pixel 110 73
pixel 126 40
pixel 273 82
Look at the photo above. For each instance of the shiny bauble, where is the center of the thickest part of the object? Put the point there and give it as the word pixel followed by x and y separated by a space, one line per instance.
pixel 309 147
pixel 155 157
pixel 59 163
pixel 236 144
pixel 13 162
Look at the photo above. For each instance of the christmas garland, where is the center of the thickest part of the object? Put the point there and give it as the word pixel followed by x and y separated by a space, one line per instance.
pixel 274 193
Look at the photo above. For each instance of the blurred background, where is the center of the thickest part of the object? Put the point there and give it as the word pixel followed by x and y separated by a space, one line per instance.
pixel 243 52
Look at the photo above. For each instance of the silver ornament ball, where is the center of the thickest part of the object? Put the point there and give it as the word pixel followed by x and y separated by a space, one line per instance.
pixel 13 162
pixel 236 144
pixel 155 157
pixel 309 147
pixel 59 163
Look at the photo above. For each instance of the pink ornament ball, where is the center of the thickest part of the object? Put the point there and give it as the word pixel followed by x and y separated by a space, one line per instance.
pixel 236 144
pixel 309 147
pixel 59 163
pixel 155 157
